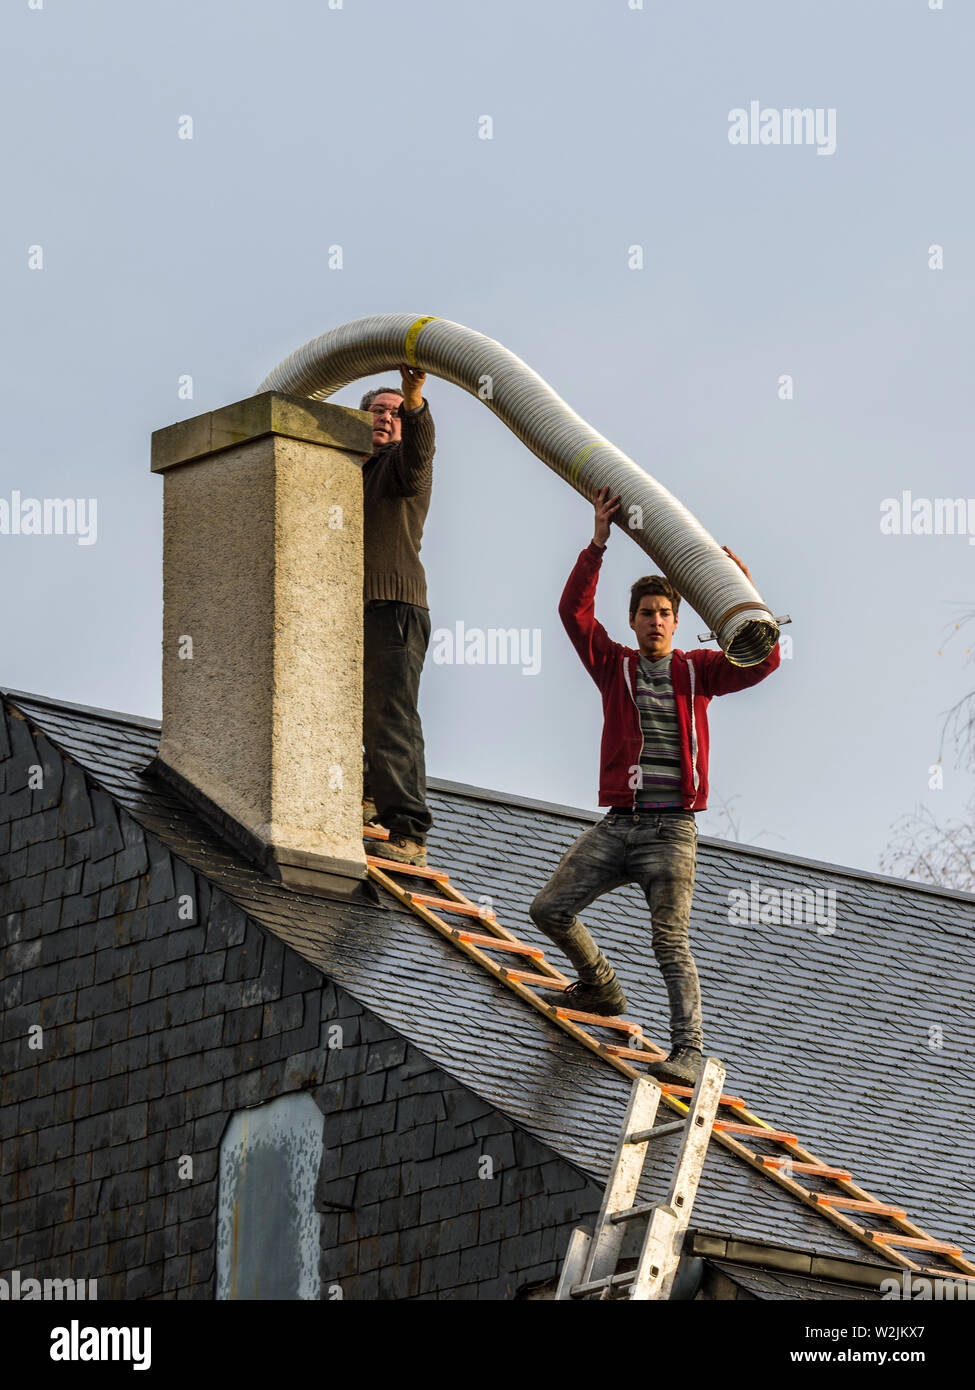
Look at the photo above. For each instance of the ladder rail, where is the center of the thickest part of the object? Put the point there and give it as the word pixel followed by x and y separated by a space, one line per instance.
pixel 477 954
pixel 660 1255
pixel 853 1189
pixel 574 1263
pixel 591 1264
pixel 624 1179
pixel 794 1149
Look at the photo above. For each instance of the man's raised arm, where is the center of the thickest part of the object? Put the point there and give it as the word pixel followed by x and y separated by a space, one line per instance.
pixel 578 602
pixel 413 463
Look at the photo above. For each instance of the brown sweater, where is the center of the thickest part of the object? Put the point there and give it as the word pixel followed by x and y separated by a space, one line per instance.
pixel 396 484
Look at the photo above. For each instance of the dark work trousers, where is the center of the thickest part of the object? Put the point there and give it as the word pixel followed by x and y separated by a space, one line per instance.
pixel 396 639
pixel 657 850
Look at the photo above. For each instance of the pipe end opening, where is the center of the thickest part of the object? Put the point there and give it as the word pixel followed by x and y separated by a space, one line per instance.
pixel 752 642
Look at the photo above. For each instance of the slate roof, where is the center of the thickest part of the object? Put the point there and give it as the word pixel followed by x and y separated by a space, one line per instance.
pixel 774 1285
pixel 826 1034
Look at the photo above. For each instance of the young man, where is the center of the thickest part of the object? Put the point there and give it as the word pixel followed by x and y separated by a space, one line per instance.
pixel 396 483
pixel 654 776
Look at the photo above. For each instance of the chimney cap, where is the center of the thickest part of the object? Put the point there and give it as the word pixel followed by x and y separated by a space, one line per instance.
pixel 317 422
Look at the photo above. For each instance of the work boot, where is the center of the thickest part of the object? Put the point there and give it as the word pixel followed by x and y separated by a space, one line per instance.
pixel 681 1068
pixel 405 851
pixel 607 998
pixel 370 816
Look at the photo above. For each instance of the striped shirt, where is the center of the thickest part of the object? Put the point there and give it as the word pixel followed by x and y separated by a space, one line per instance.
pixel 660 761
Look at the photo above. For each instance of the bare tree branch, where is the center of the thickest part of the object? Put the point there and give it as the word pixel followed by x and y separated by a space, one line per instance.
pixel 931 853
pixel 733 822
pixel 942 855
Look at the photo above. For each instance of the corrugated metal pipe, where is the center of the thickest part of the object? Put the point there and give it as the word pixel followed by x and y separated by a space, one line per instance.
pixel 691 559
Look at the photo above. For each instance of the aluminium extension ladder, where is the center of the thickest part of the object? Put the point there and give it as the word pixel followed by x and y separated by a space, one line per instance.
pixel 746 1134
pixel 592 1259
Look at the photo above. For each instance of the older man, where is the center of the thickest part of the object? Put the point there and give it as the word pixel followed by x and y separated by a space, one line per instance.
pixel 396 479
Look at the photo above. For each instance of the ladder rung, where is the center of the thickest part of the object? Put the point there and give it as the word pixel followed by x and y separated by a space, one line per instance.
pixel 646 1209
pixel 640 1136
pixel 498 943
pixel 529 977
pixel 578 1290
pixel 448 905
pixel 914 1242
pixel 604 1021
pixel 651 1054
pixel 780 1136
pixel 815 1170
pixel 533 977
pixel 393 866
pixel 670 1090
pixel 880 1208
pixel 635 1054
pixel 369 832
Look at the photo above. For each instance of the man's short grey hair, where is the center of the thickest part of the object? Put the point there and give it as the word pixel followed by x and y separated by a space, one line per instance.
pixel 370 396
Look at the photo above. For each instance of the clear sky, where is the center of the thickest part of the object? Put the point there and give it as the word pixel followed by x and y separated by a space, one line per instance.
pixel 358 125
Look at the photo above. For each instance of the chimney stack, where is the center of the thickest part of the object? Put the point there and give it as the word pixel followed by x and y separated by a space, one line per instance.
pixel 262 630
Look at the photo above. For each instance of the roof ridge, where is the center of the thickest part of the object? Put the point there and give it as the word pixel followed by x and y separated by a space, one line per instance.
pixel 108 715
pixel 500 798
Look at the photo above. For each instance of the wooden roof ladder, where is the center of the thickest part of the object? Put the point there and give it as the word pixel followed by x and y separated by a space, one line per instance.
pixel 839 1208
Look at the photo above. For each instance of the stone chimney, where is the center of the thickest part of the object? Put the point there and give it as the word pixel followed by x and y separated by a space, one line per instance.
pixel 262 631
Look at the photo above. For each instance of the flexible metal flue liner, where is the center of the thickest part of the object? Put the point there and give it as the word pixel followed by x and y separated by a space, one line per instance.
pixel 677 543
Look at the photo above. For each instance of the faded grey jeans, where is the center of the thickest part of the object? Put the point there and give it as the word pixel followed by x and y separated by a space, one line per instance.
pixel 657 850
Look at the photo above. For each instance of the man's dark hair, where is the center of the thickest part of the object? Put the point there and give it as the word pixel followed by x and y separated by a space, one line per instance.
pixel 653 584
pixel 370 396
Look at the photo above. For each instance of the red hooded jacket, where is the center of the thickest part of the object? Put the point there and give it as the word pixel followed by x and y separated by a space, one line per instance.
pixel 697 677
